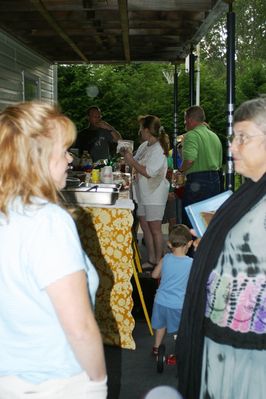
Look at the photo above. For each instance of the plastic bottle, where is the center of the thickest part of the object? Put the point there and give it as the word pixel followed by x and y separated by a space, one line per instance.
pixel 95 176
pixel 107 174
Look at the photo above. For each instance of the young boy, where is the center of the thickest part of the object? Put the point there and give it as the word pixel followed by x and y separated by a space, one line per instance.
pixel 173 270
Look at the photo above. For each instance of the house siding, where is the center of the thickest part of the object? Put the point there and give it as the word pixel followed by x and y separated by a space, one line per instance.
pixel 16 60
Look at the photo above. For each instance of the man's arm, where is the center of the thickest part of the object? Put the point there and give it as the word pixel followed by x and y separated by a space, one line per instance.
pixel 189 151
pixel 115 134
pixel 186 165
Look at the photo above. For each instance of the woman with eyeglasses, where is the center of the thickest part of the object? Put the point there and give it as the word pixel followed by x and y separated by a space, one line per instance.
pixel 50 344
pixel 221 345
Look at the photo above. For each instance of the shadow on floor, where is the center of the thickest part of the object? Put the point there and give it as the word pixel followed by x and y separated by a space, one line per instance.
pixel 132 373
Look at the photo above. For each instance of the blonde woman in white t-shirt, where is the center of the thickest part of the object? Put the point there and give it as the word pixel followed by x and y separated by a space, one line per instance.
pixel 151 186
pixel 50 343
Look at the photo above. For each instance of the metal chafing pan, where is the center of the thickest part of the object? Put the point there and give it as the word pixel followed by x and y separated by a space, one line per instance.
pixel 73 181
pixel 94 195
pixel 104 185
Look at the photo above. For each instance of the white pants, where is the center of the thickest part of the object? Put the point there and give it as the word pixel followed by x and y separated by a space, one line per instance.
pixel 78 387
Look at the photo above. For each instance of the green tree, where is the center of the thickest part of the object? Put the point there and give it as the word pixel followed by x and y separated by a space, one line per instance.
pixel 125 92
pixel 250 30
pixel 250 35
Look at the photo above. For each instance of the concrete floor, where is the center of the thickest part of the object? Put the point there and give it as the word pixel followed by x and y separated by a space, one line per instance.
pixel 132 373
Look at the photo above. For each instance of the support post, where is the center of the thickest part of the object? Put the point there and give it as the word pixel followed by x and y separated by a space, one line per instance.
pixel 175 117
pixel 198 76
pixel 192 78
pixel 230 178
pixel 178 203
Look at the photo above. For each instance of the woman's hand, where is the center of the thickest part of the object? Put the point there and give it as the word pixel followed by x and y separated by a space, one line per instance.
pixel 127 154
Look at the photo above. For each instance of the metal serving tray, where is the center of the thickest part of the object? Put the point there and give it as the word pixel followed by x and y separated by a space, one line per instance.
pixel 104 185
pixel 94 195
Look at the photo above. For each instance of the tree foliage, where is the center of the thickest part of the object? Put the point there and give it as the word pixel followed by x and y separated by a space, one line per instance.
pixel 127 91
pixel 250 18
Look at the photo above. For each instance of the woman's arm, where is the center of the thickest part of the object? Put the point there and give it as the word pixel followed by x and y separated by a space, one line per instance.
pixel 70 299
pixel 156 273
pixel 134 164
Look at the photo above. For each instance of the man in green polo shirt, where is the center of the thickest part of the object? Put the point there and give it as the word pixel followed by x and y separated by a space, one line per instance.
pixel 202 159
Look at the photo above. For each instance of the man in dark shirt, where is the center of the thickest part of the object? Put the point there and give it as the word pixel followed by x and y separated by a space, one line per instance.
pixel 98 137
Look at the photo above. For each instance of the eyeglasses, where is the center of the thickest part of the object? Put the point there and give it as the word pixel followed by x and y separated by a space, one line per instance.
pixel 242 139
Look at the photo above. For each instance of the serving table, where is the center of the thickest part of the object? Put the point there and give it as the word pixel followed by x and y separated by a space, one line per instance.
pixel 106 236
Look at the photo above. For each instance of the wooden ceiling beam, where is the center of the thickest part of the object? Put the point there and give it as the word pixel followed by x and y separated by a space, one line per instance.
pixel 109 31
pixel 123 12
pixel 44 12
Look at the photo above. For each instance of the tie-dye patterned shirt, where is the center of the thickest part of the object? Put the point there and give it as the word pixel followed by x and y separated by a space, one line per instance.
pixel 236 288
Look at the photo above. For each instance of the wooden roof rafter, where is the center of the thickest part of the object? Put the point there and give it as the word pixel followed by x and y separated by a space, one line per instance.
pixel 110 31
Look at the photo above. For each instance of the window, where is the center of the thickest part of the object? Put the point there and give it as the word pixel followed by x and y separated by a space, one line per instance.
pixel 31 87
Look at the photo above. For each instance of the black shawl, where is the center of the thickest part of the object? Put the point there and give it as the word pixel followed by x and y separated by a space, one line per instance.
pixel 190 339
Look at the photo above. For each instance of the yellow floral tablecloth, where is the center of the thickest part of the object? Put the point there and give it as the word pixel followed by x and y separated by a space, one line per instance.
pixel 106 236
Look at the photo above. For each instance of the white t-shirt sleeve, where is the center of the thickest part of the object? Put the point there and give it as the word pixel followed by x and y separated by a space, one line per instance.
pixel 141 151
pixel 55 249
pixel 156 162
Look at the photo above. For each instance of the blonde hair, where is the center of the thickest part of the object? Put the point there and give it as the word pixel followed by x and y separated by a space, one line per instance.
pixel 153 123
pixel 27 134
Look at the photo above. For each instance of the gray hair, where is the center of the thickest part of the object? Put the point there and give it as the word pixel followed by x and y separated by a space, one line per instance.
pixel 253 110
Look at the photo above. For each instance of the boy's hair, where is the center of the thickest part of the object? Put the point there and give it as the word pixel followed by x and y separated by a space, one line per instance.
pixel 179 236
